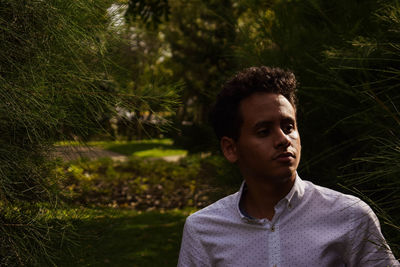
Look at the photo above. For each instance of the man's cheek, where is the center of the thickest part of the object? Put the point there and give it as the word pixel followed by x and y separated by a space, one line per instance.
pixel 295 136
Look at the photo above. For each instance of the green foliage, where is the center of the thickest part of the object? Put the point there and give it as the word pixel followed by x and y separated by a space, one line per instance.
pixel 138 75
pixel 56 82
pixel 346 57
pixel 374 61
pixel 225 177
pixel 299 35
pixel 52 68
pixel 195 138
pixel 150 12
pixel 50 79
pixel 33 232
pixel 195 45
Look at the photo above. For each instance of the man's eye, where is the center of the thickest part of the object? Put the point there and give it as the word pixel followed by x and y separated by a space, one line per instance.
pixel 263 132
pixel 288 128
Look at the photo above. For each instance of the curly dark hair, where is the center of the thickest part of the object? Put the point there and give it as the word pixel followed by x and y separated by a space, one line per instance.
pixel 225 116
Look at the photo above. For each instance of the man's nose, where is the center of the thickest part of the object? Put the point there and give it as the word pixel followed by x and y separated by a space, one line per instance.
pixel 282 140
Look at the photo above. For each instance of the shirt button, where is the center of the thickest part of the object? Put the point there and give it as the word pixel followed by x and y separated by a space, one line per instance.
pixel 272 229
pixel 290 205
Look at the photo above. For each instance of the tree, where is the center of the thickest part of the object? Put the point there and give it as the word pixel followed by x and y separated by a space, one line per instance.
pixel 198 37
pixel 56 83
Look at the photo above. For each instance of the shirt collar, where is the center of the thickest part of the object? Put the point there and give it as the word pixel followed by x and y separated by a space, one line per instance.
pixel 296 193
pixel 292 199
pixel 245 217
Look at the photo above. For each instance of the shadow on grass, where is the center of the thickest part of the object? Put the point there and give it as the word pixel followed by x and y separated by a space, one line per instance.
pixel 147 239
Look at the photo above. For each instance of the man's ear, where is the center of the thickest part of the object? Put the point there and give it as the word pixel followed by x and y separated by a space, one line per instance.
pixel 228 147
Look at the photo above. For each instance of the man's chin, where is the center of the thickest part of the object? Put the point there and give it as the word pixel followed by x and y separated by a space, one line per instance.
pixel 284 177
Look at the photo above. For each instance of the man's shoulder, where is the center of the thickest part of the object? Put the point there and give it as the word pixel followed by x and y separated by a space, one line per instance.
pixel 221 210
pixel 332 198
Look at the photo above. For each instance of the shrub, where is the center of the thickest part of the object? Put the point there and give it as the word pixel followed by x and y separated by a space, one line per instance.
pixel 195 138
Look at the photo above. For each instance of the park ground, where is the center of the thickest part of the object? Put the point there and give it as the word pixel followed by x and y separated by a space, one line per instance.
pixel 120 235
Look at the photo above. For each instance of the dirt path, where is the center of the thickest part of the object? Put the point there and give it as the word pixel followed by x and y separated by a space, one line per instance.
pixel 74 152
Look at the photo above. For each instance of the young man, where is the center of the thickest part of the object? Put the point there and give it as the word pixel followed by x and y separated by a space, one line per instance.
pixel 276 218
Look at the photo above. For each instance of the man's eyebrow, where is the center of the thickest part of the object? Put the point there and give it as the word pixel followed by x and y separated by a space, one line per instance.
pixel 288 119
pixel 261 124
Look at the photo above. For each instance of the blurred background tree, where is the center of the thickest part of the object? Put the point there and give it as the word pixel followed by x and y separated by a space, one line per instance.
pixel 198 52
pixel 299 35
pixel 345 57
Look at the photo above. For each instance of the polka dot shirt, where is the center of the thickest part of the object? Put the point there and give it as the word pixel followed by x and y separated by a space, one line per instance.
pixel 312 226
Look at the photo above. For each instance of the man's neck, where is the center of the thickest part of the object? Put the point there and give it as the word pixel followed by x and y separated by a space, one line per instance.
pixel 261 197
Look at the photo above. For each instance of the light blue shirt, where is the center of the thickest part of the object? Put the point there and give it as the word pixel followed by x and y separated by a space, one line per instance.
pixel 312 226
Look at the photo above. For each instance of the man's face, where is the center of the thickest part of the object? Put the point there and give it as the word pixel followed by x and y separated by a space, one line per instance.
pixel 269 143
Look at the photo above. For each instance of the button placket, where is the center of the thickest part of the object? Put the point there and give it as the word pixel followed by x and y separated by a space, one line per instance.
pixel 274 245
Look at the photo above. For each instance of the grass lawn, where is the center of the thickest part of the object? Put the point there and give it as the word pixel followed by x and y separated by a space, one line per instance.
pixel 121 237
pixel 142 148
pixel 124 237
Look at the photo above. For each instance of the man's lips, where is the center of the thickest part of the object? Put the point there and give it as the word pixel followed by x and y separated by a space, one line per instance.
pixel 285 156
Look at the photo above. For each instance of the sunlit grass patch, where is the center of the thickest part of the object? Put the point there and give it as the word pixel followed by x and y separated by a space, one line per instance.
pixel 140 148
pixel 159 152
